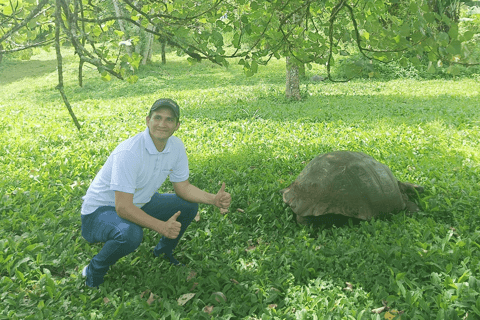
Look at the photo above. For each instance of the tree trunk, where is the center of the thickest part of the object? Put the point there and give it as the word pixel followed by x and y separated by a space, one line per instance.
pixel 80 73
pixel 164 57
pixel 79 5
pixel 121 24
pixel 58 18
pixel 292 88
pixel 301 71
pixel 147 48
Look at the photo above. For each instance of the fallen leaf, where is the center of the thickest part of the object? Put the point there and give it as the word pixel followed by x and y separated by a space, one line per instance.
pixel 241 210
pixel 195 284
pixel 219 297
pixel 192 275
pixel 106 300
pixel 185 298
pixel 197 217
pixel 272 306
pixel 208 309
pixel 250 248
pixel 234 281
pixel 151 298
pixel 144 292
pixel 349 287
pixel 378 310
pixel 390 315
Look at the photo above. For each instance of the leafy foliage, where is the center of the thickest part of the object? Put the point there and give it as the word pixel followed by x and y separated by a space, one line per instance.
pixel 242 131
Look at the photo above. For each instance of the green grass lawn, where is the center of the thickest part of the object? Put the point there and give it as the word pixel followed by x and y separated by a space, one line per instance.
pixel 241 131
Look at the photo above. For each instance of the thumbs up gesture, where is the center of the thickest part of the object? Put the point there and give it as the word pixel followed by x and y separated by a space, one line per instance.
pixel 222 199
pixel 172 227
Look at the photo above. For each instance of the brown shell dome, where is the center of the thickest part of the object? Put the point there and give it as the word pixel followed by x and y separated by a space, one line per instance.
pixel 348 183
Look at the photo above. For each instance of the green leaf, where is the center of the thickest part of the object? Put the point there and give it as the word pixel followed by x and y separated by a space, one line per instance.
pixel 468 35
pixel 455 47
pixel 429 16
pixel 254 67
pixel 453 70
pixel 31 35
pixel 365 34
pixel 443 39
pixel 132 79
pixel 106 76
pixel 97 31
pixel 7 10
pixel 20 275
pixel 453 32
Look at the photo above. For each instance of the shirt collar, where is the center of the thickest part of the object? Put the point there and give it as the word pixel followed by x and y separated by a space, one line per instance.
pixel 150 146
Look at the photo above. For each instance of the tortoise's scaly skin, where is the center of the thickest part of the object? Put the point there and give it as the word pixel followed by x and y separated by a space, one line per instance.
pixel 348 183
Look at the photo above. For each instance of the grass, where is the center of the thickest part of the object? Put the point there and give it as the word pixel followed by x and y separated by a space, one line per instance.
pixel 241 131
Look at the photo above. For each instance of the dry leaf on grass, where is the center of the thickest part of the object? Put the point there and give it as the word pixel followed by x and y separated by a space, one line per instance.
pixel 349 287
pixel 192 275
pixel 378 310
pixel 195 284
pixel 234 281
pixel 106 300
pixel 241 210
pixel 151 298
pixel 208 309
pixel 272 306
pixel 185 298
pixel 144 293
pixel 197 217
pixel 219 297
pixel 390 315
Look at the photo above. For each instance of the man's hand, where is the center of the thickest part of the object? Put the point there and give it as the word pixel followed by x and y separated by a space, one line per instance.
pixel 222 199
pixel 171 227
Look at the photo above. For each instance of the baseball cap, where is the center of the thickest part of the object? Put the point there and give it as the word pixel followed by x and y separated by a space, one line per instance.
pixel 160 103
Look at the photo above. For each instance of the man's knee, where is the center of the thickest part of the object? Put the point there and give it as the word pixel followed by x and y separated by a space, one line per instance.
pixel 189 208
pixel 130 235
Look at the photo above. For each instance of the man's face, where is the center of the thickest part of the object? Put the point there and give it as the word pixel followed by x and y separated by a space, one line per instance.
pixel 162 124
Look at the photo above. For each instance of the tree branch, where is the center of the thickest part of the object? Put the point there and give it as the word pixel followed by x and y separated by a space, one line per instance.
pixel 58 18
pixel 32 15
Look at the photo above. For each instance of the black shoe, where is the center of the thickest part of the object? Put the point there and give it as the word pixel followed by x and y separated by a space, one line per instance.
pixel 170 258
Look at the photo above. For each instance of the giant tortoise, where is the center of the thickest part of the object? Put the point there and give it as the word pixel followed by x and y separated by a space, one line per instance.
pixel 351 184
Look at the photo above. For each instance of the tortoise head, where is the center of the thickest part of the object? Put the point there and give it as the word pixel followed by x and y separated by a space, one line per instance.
pixel 410 189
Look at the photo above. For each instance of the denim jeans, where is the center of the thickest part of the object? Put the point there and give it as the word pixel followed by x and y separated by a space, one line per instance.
pixel 122 237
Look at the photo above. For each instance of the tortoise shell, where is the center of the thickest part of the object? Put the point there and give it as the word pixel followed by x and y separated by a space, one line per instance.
pixel 347 183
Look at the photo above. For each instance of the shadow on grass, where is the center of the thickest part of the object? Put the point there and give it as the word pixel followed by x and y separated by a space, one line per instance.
pixel 12 71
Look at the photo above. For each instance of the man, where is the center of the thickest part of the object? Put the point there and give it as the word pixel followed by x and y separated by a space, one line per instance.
pixel 123 197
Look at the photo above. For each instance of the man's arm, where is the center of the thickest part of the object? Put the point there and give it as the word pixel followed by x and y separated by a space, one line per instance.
pixel 128 211
pixel 189 192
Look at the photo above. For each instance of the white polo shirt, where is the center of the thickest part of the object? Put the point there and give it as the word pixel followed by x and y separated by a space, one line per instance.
pixel 136 167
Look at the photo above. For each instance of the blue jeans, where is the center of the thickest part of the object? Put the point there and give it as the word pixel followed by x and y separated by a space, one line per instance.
pixel 122 237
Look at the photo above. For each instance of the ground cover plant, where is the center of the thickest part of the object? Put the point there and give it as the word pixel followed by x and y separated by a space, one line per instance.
pixel 254 262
